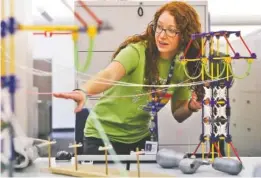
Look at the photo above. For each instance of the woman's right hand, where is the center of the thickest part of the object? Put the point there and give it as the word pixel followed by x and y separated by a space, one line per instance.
pixel 78 96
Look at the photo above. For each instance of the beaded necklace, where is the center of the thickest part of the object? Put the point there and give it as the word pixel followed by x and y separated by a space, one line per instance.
pixel 155 105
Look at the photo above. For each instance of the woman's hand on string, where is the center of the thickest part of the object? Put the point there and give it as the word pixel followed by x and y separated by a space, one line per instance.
pixel 78 96
pixel 194 104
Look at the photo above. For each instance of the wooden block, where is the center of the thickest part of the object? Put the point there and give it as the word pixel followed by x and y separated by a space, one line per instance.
pixel 75 145
pixel 105 148
pixel 98 171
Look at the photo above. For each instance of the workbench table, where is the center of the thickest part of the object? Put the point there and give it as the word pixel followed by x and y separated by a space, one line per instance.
pixel 37 169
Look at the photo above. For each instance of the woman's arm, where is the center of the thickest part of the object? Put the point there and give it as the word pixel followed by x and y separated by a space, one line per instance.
pixel 180 110
pixel 123 64
pixel 104 79
pixel 115 71
pixel 182 107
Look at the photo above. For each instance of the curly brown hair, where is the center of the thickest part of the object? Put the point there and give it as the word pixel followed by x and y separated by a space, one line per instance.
pixel 188 23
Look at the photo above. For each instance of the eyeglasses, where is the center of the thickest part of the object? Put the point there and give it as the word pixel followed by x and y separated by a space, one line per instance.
pixel 170 31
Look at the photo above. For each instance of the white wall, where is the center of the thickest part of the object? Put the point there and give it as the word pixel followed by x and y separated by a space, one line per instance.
pixel 216 7
pixel 60 50
pixel 245 97
pixel 234 7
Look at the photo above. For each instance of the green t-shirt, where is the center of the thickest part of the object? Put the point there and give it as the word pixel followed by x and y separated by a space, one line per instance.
pixel 120 109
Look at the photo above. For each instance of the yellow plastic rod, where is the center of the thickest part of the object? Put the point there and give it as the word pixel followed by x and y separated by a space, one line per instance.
pixel 203 149
pixel 12 8
pixel 12 54
pixel 12 42
pixel 228 150
pixel 218 47
pixel 191 60
pixel 213 151
pixel 3 70
pixel 202 46
pixel 48 28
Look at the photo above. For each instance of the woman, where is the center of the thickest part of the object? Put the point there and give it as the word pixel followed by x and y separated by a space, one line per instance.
pixel 148 59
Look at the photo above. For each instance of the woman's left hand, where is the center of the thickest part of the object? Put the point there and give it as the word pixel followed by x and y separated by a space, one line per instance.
pixel 194 104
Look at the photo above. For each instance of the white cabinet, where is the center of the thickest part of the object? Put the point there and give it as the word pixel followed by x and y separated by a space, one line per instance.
pixel 123 17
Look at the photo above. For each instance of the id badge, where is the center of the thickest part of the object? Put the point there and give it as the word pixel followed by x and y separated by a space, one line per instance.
pixel 151 148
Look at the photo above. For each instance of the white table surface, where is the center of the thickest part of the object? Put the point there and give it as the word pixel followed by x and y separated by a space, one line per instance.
pixel 36 170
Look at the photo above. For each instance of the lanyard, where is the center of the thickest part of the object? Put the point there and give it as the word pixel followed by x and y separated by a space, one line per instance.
pixel 155 105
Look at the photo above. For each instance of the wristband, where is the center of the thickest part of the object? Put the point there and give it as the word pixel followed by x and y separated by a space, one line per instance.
pixel 78 89
pixel 85 98
pixel 192 110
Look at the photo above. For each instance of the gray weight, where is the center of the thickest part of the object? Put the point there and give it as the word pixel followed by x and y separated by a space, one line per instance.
pixel 257 171
pixel 190 166
pixel 168 158
pixel 227 165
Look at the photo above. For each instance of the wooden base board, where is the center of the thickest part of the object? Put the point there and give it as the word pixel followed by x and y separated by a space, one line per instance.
pixel 99 171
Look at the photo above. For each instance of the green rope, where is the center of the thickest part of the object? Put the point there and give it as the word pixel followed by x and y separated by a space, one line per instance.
pixel 186 72
pixel 88 58
pixel 244 75
pixel 215 77
pixel 107 142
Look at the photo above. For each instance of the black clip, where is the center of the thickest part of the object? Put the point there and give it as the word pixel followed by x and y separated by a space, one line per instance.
pixel 140 10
